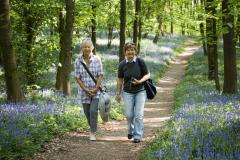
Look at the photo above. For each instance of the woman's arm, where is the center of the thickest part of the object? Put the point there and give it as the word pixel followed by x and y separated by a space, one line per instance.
pixel 81 84
pixel 119 86
pixel 98 84
pixel 143 79
pixel 99 70
pixel 119 89
pixel 84 88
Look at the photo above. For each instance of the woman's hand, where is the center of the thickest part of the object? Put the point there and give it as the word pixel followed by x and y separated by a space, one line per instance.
pixel 135 81
pixel 94 91
pixel 91 93
pixel 143 79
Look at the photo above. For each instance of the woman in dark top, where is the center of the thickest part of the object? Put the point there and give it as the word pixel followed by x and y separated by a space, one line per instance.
pixel 132 72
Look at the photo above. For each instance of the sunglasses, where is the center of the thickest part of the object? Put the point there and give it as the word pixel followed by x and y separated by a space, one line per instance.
pixel 130 43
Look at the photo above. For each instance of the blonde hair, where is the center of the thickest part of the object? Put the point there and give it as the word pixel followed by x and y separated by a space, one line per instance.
pixel 87 41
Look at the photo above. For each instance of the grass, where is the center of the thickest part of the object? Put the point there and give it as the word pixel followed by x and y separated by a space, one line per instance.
pixel 205 124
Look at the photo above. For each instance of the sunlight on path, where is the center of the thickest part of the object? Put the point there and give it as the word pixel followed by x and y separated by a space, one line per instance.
pixel 112 142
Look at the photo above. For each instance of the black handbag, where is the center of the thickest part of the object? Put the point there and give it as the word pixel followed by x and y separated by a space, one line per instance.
pixel 151 90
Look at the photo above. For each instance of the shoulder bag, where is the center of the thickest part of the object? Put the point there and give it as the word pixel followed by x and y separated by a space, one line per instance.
pixel 148 84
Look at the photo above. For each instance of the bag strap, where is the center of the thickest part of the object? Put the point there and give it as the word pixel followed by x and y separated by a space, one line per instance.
pixel 140 65
pixel 90 74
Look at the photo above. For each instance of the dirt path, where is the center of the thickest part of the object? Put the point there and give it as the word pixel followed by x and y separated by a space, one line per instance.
pixel 112 142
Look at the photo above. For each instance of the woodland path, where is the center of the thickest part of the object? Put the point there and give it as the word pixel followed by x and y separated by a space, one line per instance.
pixel 112 142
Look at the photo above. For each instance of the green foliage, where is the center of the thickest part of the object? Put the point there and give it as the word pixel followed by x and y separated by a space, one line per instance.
pixel 117 111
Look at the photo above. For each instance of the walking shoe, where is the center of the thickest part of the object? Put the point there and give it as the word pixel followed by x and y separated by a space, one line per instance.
pixel 130 136
pixel 136 141
pixel 92 137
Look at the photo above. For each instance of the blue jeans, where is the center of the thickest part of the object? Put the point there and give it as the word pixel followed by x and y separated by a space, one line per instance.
pixel 134 112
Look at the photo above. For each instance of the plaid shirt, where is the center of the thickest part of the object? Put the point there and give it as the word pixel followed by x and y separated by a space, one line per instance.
pixel 96 68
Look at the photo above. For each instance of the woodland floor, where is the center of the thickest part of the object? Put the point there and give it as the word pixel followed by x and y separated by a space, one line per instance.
pixel 112 142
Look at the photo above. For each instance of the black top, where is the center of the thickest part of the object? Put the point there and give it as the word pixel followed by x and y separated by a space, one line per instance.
pixel 129 70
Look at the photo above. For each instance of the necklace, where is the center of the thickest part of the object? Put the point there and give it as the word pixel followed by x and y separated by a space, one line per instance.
pixel 87 60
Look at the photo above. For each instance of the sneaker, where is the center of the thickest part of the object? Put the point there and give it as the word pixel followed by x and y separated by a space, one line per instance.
pixel 92 137
pixel 136 141
pixel 130 136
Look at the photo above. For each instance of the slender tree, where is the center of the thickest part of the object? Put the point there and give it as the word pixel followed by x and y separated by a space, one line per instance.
pixel 1 61
pixel 32 20
pixel 210 40
pixel 122 29
pixel 136 21
pixel 14 93
pixel 171 13
pixel 94 26
pixel 59 77
pixel 159 29
pixel 139 27
pixel 202 32
pixel 111 22
pixel 215 55
pixel 211 33
pixel 230 67
pixel 183 24
pixel 202 28
pixel 146 16
pixel 238 26
pixel 160 18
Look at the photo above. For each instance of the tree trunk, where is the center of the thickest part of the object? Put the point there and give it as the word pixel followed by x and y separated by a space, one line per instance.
pixel 139 31
pixel 171 27
pixel 110 36
pixel 183 28
pixel 111 23
pixel 122 29
pixel 136 22
pixel 30 30
pixel 156 37
pixel 14 93
pixel 164 30
pixel 171 14
pixel 210 40
pixel 148 14
pixel 211 31
pixel 230 67
pixel 1 59
pixel 238 28
pixel 66 47
pixel 94 27
pixel 159 30
pixel 203 39
pixel 59 77
pixel 215 54
pixel 202 28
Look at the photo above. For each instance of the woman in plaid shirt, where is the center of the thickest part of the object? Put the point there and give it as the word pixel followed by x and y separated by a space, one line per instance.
pixel 89 90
